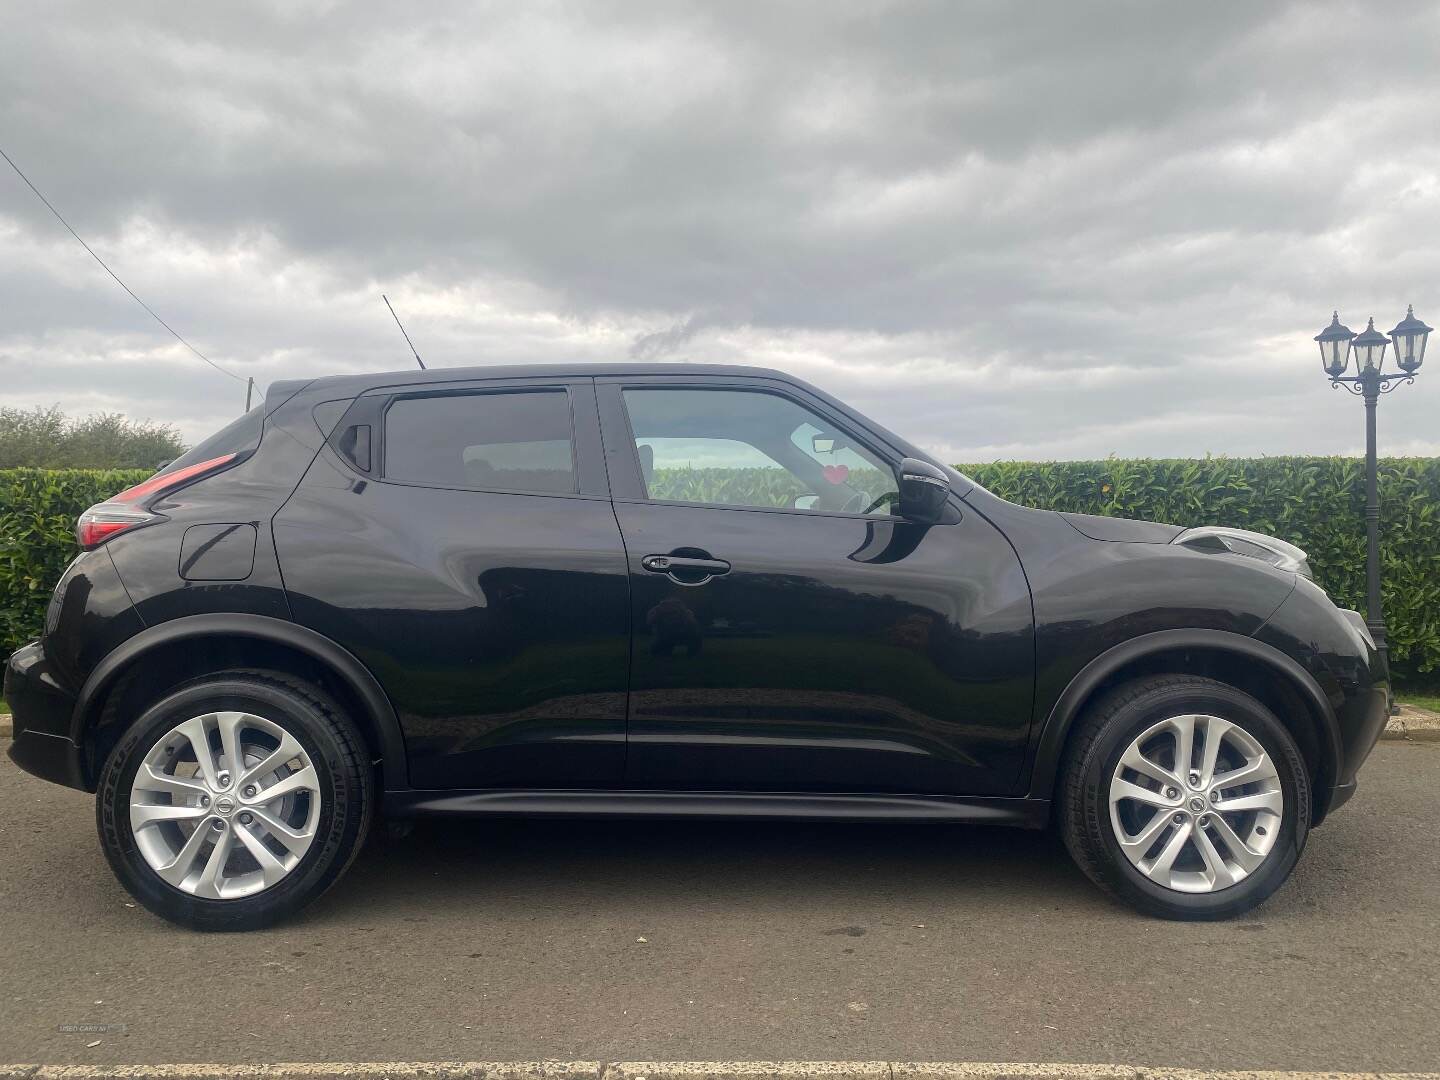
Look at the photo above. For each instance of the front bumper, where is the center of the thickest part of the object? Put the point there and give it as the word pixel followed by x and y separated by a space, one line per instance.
pixel 1362 721
pixel 1350 688
pixel 41 710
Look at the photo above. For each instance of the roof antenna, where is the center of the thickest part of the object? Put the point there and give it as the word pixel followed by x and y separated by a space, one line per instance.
pixel 402 331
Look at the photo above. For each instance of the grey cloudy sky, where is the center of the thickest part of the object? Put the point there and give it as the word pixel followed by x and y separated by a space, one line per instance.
pixel 1006 229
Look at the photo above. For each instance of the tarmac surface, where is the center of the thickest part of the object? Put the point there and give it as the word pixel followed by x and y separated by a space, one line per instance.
pixel 634 941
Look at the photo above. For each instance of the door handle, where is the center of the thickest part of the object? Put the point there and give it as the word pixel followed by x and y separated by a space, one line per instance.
pixel 684 564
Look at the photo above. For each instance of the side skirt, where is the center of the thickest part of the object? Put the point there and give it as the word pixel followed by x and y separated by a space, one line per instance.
pixel 760 806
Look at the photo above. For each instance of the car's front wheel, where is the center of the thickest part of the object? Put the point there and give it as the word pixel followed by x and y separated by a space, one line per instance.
pixel 235 800
pixel 1185 797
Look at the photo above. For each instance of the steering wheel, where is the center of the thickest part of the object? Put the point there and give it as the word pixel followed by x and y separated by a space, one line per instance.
pixel 854 504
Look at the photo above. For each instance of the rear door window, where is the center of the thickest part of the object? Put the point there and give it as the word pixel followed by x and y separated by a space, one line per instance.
pixel 492 441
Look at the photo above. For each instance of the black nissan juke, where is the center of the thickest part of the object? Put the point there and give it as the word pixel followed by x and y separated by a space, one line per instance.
pixel 670 591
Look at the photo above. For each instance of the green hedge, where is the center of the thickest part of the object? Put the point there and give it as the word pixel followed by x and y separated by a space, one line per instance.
pixel 38 508
pixel 1314 502
pixel 750 486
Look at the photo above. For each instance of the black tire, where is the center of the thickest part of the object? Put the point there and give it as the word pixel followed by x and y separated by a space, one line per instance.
pixel 1104 734
pixel 334 747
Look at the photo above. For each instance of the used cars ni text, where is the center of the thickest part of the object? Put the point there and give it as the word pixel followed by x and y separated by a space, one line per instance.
pixel 674 591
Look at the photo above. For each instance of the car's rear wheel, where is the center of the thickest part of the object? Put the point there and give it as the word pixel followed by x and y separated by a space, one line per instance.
pixel 1185 797
pixel 235 800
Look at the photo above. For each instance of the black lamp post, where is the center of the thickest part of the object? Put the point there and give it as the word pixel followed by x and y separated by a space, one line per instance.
pixel 1370 381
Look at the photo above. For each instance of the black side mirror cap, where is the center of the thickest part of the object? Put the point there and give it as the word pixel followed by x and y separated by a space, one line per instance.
pixel 924 492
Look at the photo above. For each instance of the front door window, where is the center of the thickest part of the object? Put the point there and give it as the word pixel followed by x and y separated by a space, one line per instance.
pixel 752 448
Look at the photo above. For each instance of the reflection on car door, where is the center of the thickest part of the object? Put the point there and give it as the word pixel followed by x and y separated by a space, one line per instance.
pixel 779 649
pixel 473 562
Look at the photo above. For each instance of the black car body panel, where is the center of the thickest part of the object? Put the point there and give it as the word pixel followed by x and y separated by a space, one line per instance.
pixel 153 561
pixel 504 649
pixel 90 615
pixel 1092 595
pixel 522 652
pixel 1104 606
pixel 840 653
pixel 1340 658
pixel 41 706
pixel 1122 530
pixel 727 805
pixel 500 630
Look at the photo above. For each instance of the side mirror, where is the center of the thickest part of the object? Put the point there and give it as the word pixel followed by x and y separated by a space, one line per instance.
pixel 924 491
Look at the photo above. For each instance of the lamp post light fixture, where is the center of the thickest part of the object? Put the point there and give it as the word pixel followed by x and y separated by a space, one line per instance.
pixel 1370 380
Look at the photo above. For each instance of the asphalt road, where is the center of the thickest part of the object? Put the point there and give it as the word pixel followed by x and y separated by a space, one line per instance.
pixel 524 940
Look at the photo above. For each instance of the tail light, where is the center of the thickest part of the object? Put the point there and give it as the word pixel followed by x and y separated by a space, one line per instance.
pixel 123 512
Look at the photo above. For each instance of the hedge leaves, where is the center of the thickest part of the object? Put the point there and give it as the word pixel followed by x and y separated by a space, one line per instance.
pixel 38 508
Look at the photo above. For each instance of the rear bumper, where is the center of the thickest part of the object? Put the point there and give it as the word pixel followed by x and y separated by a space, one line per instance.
pixel 41 711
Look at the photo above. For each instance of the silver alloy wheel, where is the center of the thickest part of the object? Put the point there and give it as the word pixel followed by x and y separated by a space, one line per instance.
pixel 1196 803
pixel 225 805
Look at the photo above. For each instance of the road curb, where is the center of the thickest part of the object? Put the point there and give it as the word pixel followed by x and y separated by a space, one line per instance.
pixel 318 1070
pixel 1413 723
pixel 665 1070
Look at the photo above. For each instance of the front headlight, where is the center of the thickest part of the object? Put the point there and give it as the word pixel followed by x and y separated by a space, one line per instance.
pixel 1218 540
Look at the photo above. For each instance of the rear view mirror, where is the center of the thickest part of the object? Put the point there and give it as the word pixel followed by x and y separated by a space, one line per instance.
pixel 924 491
pixel 823 444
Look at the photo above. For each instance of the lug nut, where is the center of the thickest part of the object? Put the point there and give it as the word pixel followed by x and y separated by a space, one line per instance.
pixel 1172 792
pixel 249 791
pixel 1215 795
pixel 247 818
pixel 204 800
pixel 1204 820
pixel 1179 819
pixel 218 825
pixel 1194 779
pixel 223 779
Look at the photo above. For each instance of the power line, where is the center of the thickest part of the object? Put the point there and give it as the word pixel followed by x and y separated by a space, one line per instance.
pixel 157 318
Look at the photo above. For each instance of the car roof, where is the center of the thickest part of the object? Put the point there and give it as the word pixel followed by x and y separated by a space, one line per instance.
pixel 411 376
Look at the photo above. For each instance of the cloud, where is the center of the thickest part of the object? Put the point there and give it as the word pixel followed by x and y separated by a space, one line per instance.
pixel 665 344
pixel 1004 231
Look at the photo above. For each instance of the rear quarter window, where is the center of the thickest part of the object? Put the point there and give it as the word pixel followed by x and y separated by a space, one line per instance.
pixel 240 436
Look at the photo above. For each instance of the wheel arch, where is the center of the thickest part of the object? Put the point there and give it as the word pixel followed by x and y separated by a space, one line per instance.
pixel 185 647
pixel 1261 670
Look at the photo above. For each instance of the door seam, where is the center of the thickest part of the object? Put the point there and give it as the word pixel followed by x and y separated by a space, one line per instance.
pixel 629 598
